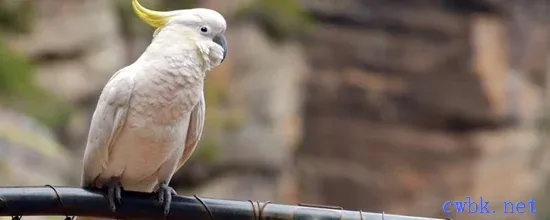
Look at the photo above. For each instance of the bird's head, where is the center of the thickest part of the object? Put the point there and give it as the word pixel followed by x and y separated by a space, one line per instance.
pixel 200 26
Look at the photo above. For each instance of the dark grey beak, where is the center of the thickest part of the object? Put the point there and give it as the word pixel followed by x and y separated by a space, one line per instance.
pixel 220 40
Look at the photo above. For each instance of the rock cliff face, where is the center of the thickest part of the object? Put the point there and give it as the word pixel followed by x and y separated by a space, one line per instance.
pixel 76 46
pixel 30 154
pixel 412 103
pixel 253 99
pixel 254 116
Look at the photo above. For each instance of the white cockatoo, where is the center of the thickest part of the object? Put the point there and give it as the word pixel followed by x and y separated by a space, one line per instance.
pixel 150 114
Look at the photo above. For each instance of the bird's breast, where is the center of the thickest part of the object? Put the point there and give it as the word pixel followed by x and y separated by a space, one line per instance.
pixel 158 117
pixel 165 100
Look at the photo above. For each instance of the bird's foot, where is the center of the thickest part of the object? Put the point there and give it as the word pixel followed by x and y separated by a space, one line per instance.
pixel 114 189
pixel 164 194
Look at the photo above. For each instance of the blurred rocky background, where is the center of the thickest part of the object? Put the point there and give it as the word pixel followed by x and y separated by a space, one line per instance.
pixel 394 106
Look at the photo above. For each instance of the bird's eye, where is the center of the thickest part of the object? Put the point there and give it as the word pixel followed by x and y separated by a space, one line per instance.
pixel 204 29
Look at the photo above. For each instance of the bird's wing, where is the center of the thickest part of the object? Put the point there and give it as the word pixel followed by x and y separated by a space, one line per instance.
pixel 106 124
pixel 194 131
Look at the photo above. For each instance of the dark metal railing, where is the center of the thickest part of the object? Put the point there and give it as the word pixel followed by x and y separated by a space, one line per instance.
pixel 66 201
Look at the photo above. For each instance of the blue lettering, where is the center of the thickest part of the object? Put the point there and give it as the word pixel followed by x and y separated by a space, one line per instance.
pixel 483 206
pixel 470 203
pixel 520 205
pixel 532 206
pixel 459 206
pixel 445 205
pixel 506 207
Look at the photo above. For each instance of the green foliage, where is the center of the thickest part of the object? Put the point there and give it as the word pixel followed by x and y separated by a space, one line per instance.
pixel 220 120
pixel 38 142
pixel 233 124
pixel 11 63
pixel 15 15
pixel 18 90
pixel 5 168
pixel 280 19
pixel 125 15
pixel 169 5
pixel 208 150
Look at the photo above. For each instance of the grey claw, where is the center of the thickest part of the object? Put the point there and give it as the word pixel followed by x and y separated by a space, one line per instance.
pixel 114 191
pixel 161 196
pixel 168 202
pixel 110 196
pixel 165 193
pixel 118 194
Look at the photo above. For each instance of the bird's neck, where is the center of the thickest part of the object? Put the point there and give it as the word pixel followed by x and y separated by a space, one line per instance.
pixel 173 54
pixel 174 60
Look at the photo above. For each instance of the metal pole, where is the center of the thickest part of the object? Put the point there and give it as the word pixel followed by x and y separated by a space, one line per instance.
pixel 66 201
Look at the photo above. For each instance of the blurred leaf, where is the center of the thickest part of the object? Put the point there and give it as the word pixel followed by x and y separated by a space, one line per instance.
pixel 208 151
pixel 17 88
pixel 177 4
pixel 125 13
pixel 280 19
pixel 11 63
pixel 16 15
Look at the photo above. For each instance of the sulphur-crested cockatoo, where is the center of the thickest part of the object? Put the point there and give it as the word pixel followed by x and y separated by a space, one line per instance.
pixel 150 114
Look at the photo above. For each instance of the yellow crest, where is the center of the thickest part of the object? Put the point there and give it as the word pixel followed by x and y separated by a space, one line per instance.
pixel 154 18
